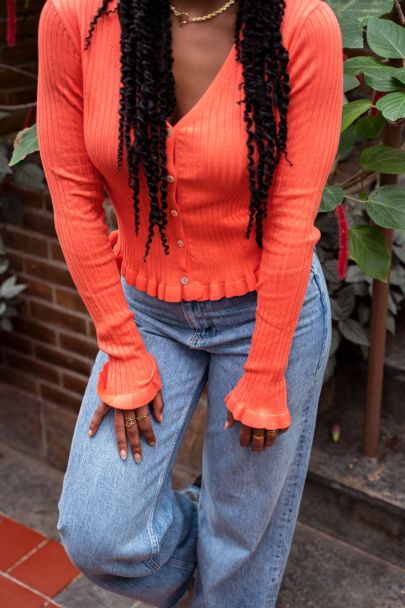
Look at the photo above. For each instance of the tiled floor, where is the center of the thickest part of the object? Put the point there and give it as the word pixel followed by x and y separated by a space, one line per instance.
pixel 33 568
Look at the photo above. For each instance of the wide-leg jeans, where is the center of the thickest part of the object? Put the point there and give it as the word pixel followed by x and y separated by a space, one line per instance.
pixel 124 526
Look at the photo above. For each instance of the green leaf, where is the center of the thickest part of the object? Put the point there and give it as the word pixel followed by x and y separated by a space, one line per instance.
pixel 25 143
pixel 353 16
pixel 347 139
pixel 383 78
pixel 357 65
pixel 370 127
pixel 352 110
pixel 349 83
pixel 331 197
pixel 400 75
pixel 369 250
pixel 386 38
pixel 383 159
pixel 353 331
pixel 386 206
pixel 361 10
pixel 392 106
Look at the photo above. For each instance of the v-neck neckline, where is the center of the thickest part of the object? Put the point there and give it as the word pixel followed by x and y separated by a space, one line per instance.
pixel 209 92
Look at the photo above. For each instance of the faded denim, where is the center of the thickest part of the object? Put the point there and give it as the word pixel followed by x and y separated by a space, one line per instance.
pixel 123 525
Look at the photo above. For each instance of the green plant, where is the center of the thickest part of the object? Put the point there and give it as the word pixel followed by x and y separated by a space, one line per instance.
pixel 360 204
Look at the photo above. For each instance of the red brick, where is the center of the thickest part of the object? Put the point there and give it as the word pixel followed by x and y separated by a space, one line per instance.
pixel 70 299
pixel 52 273
pixel 85 348
pixel 13 595
pixel 74 383
pixel 13 377
pixel 16 261
pixel 61 358
pixel 16 342
pixel 53 316
pixel 61 398
pixel 39 222
pixel 36 330
pixel 56 252
pixel 32 367
pixel 16 541
pixel 30 197
pixel 18 239
pixel 37 289
pixel 48 570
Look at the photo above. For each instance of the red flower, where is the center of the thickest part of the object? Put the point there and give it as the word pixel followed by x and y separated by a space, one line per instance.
pixel 343 241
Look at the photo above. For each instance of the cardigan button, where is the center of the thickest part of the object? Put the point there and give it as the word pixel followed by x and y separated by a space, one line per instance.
pixel 169 131
pixel 184 280
pixel 174 212
pixel 180 243
pixel 170 178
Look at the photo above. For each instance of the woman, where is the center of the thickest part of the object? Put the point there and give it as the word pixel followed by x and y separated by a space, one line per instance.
pixel 215 126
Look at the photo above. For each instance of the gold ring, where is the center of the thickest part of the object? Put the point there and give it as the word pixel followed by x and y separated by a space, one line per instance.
pixel 258 436
pixel 129 422
pixel 272 433
pixel 141 417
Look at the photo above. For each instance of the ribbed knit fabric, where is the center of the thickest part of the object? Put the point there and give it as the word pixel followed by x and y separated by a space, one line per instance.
pixel 208 206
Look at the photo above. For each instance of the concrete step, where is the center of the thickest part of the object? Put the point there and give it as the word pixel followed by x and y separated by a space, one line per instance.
pixel 323 572
pixel 357 499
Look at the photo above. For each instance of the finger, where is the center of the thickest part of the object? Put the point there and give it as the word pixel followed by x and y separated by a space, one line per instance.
pixel 157 407
pixel 145 426
pixel 270 439
pixel 244 435
pixel 98 415
pixel 230 420
pixel 131 427
pixel 258 438
pixel 120 434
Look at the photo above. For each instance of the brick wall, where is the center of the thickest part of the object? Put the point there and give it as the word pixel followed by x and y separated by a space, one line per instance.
pixel 45 361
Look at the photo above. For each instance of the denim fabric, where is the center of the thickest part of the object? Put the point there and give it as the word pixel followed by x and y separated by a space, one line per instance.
pixel 123 525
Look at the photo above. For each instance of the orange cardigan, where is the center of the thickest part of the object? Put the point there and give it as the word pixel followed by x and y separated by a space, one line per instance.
pixel 210 258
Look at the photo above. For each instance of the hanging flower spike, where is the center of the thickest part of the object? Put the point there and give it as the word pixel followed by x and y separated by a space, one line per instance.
pixel 11 22
pixel 343 241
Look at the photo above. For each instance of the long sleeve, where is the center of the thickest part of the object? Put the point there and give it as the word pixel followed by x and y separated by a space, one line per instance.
pixel 260 397
pixel 130 377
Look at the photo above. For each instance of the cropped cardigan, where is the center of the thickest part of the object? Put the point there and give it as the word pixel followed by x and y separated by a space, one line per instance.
pixel 208 198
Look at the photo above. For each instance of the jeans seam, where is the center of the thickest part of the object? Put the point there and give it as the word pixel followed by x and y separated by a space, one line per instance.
pixel 152 535
pixel 325 317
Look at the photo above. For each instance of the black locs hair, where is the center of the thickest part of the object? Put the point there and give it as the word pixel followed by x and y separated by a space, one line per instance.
pixel 147 99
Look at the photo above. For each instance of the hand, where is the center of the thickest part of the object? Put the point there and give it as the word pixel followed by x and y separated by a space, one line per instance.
pixel 131 432
pixel 261 438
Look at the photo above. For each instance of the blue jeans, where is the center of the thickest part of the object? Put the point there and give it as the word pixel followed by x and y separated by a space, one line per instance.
pixel 121 522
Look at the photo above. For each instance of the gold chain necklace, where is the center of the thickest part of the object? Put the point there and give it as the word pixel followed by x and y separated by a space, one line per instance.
pixel 184 17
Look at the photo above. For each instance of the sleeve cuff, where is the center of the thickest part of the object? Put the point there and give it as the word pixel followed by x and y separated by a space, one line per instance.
pixel 121 385
pixel 263 414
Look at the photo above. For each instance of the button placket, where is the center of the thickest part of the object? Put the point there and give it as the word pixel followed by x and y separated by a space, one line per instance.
pixel 184 280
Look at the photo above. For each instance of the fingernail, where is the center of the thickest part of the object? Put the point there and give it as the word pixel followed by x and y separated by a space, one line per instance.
pixel 161 418
pixel 137 458
pixel 226 424
pixel 123 454
pixel 152 443
pixel 90 432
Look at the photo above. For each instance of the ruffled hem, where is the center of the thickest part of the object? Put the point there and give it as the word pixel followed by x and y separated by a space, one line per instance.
pixel 193 290
pixel 257 420
pixel 146 389
pixel 174 292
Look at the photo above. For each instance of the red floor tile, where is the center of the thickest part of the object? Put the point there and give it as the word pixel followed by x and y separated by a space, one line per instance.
pixel 13 595
pixel 15 541
pixel 48 570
